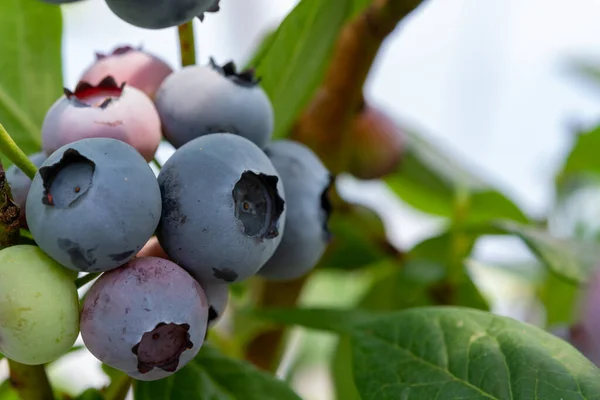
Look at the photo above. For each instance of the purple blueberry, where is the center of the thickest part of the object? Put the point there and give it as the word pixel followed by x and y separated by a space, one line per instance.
pixel 93 204
pixel 136 67
pixel 147 318
pixel 306 182
pixel 106 110
pixel 159 14
pixel 20 183
pixel 200 100
pixel 223 208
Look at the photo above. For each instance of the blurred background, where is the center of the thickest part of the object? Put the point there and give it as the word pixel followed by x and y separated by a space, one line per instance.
pixel 491 82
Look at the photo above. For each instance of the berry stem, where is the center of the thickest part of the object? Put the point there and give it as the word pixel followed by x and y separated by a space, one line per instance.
pixel 187 44
pixel 156 163
pixel 30 381
pixel 11 150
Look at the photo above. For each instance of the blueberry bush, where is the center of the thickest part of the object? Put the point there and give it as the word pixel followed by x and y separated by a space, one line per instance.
pixel 186 283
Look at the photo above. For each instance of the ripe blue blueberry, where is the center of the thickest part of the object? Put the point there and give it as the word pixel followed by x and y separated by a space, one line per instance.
pixel 147 318
pixel 93 204
pixel 20 183
pixel 306 182
pixel 159 14
pixel 200 100
pixel 223 208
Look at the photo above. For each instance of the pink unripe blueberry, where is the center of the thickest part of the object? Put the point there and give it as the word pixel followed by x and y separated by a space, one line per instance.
pixel 105 110
pixel 135 67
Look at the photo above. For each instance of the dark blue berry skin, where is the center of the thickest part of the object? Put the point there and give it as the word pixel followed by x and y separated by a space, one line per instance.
pixel 223 208
pixel 20 183
pixel 200 100
pixel 306 181
pixel 147 318
pixel 93 204
pixel 159 14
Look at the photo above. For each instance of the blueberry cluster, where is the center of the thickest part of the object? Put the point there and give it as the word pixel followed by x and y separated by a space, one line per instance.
pixel 229 204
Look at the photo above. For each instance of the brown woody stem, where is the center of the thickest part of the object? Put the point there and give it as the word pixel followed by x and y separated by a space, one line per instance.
pixel 323 124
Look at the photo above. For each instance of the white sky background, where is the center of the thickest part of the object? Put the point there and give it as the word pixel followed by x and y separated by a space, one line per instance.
pixel 487 79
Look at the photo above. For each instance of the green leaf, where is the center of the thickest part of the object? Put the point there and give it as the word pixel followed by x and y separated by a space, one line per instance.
pixel 31 77
pixel 570 259
pixel 293 61
pixel 429 180
pixel 454 353
pixel 450 353
pixel 213 376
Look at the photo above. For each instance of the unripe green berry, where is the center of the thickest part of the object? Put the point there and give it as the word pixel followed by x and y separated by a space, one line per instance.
pixel 39 307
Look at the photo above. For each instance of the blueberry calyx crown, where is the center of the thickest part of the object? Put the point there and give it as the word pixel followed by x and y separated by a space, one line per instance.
pixel 74 173
pixel 162 347
pixel 118 51
pixel 246 78
pixel 258 205
pixel 212 9
pixel 107 86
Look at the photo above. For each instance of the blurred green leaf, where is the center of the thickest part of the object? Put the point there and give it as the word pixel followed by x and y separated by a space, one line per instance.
pixel 7 392
pixel 449 353
pixel 429 180
pixel 341 370
pixel 293 61
pixel 31 78
pixel 559 298
pixel 570 259
pixel 423 280
pixel 211 375
pixel 90 394
pixel 359 239
pixel 583 157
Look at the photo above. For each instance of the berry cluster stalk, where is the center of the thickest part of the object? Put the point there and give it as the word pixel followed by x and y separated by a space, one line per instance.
pixel 9 148
pixel 187 44
pixel 30 381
